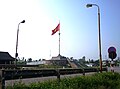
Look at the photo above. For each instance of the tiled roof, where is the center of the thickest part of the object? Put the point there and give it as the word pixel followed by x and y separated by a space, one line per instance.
pixel 6 56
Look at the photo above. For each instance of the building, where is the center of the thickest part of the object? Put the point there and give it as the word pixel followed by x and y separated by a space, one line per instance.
pixel 6 58
pixel 36 63
pixel 58 60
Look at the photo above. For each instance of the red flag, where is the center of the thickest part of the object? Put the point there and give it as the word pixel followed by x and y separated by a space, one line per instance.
pixel 56 29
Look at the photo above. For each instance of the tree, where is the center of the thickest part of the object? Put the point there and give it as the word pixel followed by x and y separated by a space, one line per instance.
pixel 39 59
pixel 91 61
pixel 96 62
pixel 71 58
pixel 29 59
pixel 83 57
pixel 43 59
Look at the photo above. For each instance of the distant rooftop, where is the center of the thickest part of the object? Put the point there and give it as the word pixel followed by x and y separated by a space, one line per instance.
pixel 59 57
pixel 5 56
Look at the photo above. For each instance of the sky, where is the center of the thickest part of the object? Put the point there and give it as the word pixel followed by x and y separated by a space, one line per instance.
pixel 78 27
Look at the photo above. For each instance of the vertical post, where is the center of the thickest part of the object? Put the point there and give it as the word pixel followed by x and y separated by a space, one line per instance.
pixel 99 36
pixel 58 75
pixel 16 54
pixel 59 42
pixel 83 72
pixel 99 39
pixel 2 79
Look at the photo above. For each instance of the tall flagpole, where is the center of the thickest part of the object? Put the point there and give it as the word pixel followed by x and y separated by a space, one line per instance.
pixel 59 40
pixel 56 30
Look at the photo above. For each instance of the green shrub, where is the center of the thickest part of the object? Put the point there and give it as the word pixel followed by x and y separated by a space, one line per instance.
pixel 106 80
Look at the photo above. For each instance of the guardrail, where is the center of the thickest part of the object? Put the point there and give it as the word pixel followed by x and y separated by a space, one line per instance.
pixel 13 66
pixel 20 74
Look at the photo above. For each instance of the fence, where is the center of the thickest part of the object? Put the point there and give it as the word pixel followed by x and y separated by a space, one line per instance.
pixel 20 74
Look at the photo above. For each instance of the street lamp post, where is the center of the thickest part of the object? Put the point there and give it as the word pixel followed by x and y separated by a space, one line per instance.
pixel 100 55
pixel 16 54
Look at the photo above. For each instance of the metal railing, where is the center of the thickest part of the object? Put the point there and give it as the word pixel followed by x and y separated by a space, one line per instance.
pixel 11 74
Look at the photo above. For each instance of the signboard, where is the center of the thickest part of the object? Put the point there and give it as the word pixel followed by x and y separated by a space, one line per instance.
pixel 112 55
pixel 111 49
pixel 112 52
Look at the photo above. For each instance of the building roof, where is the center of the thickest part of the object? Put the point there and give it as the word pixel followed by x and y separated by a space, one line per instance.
pixel 59 57
pixel 5 56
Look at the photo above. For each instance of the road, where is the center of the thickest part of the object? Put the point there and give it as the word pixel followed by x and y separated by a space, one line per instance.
pixel 116 69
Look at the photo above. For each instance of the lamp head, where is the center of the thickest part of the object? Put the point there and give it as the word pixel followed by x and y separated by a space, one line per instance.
pixel 23 21
pixel 89 5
